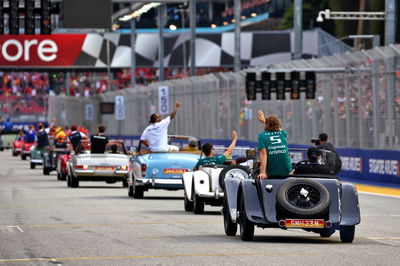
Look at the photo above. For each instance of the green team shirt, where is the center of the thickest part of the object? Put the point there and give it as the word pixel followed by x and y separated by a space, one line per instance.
pixel 218 160
pixel 278 158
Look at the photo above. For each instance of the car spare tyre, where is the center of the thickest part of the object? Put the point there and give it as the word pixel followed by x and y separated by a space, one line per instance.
pixel 233 171
pixel 303 198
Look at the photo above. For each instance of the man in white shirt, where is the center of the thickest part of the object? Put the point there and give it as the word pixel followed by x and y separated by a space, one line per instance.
pixel 155 136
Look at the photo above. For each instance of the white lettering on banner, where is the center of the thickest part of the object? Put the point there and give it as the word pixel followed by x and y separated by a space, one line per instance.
pixel 28 44
pixel 351 163
pixel 9 57
pixel 89 112
pixel 120 107
pixel 163 100
pixel 51 48
pixel 383 167
pixel 46 50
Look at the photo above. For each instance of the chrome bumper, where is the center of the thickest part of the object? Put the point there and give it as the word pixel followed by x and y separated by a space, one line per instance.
pixel 158 181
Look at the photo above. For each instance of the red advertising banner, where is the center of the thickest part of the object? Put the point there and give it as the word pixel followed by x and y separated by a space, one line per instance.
pixel 39 50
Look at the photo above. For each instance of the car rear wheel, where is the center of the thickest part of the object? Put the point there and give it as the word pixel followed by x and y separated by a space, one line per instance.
pixel 68 180
pixel 198 204
pixel 125 183
pixel 33 165
pixel 303 198
pixel 246 226
pixel 46 170
pixel 74 181
pixel 233 171
pixel 229 226
pixel 14 153
pixel 347 233
pixel 138 192
pixel 188 204
pixel 23 157
pixel 130 191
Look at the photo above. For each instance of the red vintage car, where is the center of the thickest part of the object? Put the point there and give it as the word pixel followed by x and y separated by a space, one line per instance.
pixel 17 146
pixel 62 166
pixel 26 150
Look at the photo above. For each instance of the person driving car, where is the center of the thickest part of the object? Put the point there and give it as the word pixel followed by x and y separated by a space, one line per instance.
pixel 155 136
pixel 312 166
pixel 209 152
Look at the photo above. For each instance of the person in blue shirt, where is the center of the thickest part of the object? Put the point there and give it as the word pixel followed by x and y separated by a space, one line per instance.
pixel 8 125
pixel 30 134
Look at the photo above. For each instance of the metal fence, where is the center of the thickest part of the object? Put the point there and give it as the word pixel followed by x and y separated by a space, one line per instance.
pixel 358 105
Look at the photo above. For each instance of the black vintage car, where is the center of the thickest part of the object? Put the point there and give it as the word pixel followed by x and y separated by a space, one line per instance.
pixel 318 203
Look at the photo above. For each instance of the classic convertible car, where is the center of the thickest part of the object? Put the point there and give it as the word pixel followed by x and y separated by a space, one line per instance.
pixel 317 203
pixel 17 146
pixel 26 150
pixel 111 166
pixel 206 185
pixel 161 170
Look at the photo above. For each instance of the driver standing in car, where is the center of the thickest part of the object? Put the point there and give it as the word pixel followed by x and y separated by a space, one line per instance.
pixel 274 153
pixel 155 136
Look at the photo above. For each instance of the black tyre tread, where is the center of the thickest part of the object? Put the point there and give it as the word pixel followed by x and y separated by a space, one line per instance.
pixel 138 192
pixel 316 211
pixel 74 182
pixel 198 205
pixel 46 171
pixel 229 226
pixel 130 191
pixel 125 183
pixel 188 205
pixel 347 233
pixel 33 165
pixel 23 157
pixel 246 226
pixel 227 168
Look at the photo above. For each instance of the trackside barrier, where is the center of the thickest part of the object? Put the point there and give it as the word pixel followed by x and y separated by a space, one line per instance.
pixel 361 164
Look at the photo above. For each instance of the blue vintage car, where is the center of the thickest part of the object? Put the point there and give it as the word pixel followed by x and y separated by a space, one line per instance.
pixel 161 170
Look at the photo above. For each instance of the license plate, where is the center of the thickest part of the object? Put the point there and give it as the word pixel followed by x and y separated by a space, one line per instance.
pixel 175 171
pixel 304 223
pixel 104 168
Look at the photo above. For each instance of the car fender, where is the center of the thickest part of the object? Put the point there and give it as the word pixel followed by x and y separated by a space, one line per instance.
pixel 214 176
pixel 201 182
pixel 252 201
pixel 350 205
pixel 231 195
pixel 187 179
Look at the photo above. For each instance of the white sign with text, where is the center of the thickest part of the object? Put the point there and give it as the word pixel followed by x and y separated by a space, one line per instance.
pixel 163 100
pixel 119 107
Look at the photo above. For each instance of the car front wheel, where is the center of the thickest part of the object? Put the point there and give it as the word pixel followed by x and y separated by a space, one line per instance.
pixel 347 233
pixel 229 226
pixel 246 226
pixel 188 204
pixel 198 204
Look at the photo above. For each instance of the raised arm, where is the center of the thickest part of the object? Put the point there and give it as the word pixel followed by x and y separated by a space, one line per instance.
pixel 173 113
pixel 232 146
pixel 53 121
pixel 261 116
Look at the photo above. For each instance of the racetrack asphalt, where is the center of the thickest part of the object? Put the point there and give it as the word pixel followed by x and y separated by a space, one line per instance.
pixel 43 222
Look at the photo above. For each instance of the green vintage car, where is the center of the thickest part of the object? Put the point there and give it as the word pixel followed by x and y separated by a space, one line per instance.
pixel 36 157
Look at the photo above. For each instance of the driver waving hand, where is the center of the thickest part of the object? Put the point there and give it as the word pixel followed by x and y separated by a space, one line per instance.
pixel 274 153
pixel 155 136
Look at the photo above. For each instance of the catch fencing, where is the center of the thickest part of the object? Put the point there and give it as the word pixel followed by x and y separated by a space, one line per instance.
pixel 357 103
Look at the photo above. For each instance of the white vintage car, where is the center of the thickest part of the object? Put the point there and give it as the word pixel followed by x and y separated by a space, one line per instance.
pixel 206 185
pixel 111 166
